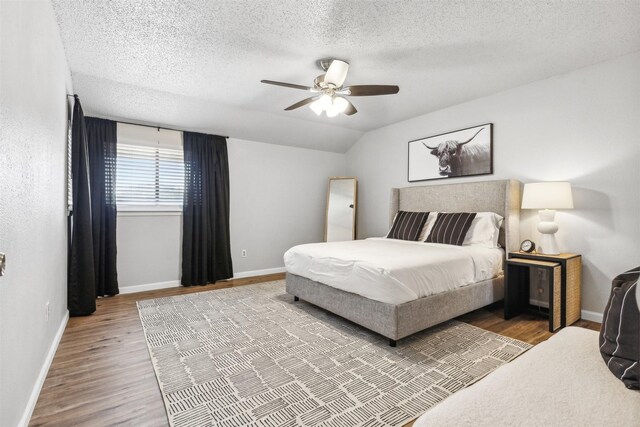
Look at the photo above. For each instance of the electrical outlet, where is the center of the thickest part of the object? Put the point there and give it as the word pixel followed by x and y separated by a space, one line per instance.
pixel 47 311
pixel 244 253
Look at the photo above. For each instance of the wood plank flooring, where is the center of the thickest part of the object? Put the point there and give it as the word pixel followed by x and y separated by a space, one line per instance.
pixel 102 374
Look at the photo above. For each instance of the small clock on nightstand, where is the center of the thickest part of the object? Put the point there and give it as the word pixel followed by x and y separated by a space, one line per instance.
pixel 527 246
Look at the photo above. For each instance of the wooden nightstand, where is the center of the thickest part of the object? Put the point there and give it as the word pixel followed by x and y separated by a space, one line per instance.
pixel 565 282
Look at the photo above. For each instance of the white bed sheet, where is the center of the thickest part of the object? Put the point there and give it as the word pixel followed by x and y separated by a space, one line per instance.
pixel 393 271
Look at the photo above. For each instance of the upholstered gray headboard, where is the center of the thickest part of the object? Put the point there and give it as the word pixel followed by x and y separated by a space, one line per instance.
pixel 502 197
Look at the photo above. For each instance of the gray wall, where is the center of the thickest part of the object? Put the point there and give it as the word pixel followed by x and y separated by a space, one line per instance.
pixel 33 134
pixel 579 127
pixel 278 200
pixel 278 197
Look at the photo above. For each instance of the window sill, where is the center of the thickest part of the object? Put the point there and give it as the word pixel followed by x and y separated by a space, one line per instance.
pixel 149 211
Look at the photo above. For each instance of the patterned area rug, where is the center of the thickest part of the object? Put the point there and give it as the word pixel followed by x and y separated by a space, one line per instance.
pixel 250 356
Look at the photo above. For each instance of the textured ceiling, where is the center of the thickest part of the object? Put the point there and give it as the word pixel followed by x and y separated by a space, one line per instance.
pixel 198 64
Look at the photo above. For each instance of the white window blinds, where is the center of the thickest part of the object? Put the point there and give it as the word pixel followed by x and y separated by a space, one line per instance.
pixel 150 171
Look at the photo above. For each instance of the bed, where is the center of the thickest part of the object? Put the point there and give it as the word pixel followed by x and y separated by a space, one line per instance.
pixel 406 313
pixel 560 382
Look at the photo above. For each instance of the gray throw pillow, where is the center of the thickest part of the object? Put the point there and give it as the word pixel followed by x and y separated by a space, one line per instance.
pixel 620 331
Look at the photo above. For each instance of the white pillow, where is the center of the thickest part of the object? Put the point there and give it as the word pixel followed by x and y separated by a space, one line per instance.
pixel 484 230
pixel 428 225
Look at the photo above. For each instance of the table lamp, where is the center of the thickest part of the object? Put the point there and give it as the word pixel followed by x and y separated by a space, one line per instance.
pixel 547 196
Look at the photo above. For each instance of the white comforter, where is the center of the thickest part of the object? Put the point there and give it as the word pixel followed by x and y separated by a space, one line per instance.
pixel 393 271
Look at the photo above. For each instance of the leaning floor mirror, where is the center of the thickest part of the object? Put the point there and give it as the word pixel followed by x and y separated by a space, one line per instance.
pixel 340 223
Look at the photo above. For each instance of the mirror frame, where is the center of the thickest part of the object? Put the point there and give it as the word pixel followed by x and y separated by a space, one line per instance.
pixel 355 204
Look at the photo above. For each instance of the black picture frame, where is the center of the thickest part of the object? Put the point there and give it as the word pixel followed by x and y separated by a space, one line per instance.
pixel 431 167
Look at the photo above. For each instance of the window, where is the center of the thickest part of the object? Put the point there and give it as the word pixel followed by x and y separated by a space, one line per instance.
pixel 150 171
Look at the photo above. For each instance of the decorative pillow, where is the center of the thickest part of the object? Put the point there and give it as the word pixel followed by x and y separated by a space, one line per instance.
pixel 428 226
pixel 451 228
pixel 407 225
pixel 620 332
pixel 484 230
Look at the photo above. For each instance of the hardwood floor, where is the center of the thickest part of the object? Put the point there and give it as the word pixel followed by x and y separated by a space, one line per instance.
pixel 102 374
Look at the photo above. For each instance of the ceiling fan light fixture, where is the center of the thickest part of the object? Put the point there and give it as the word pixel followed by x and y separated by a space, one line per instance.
pixel 328 90
pixel 325 101
pixel 336 73
pixel 338 105
pixel 332 112
pixel 321 104
pixel 316 107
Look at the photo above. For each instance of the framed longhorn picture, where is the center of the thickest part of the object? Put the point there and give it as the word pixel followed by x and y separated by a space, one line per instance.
pixel 464 152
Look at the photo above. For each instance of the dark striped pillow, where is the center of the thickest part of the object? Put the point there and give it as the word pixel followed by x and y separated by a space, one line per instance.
pixel 407 225
pixel 450 228
pixel 620 331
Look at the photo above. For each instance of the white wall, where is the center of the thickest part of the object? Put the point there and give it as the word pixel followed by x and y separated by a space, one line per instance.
pixel 278 200
pixel 580 127
pixel 278 197
pixel 149 248
pixel 34 81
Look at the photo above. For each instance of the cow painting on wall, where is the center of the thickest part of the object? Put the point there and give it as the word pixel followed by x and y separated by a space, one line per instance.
pixel 464 152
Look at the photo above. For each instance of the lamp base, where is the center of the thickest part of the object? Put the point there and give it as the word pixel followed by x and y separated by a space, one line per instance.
pixel 547 228
pixel 548 245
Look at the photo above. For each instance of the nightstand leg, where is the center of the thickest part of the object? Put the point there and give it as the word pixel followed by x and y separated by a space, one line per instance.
pixel 555 299
pixel 516 291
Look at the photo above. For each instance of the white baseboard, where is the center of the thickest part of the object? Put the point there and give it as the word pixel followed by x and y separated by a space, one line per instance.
pixel 253 273
pixel 584 314
pixel 149 287
pixel 591 315
pixel 176 283
pixel 37 387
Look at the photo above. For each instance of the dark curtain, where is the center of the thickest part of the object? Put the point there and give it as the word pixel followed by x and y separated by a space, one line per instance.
pixel 206 251
pixel 102 143
pixel 81 292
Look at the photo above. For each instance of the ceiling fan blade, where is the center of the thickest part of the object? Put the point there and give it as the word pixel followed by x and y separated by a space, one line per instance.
pixel 370 90
pixel 337 72
pixel 350 110
pixel 301 103
pixel 291 85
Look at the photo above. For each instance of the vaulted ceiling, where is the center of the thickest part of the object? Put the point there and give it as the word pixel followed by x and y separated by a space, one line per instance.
pixel 197 64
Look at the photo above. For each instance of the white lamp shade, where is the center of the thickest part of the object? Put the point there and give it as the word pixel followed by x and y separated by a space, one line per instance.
pixel 336 73
pixel 324 101
pixel 316 107
pixel 332 112
pixel 547 195
pixel 338 105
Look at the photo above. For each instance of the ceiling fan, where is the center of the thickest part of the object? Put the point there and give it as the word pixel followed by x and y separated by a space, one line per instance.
pixel 330 92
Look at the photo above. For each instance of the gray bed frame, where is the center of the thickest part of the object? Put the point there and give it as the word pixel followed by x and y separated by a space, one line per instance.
pixel 396 321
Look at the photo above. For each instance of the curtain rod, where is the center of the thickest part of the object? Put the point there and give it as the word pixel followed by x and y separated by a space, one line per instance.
pixel 148 126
